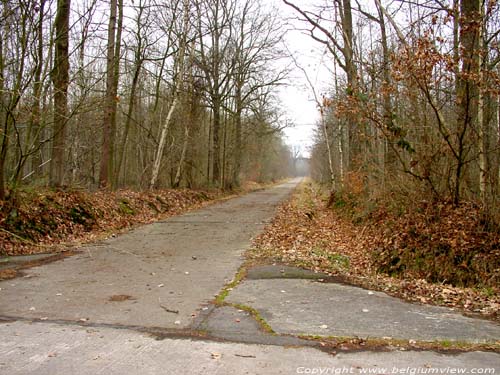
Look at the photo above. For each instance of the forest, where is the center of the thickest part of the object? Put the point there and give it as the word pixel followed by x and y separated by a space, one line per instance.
pixel 414 107
pixel 143 94
pixel 408 139
pixel 146 95
pixel 151 94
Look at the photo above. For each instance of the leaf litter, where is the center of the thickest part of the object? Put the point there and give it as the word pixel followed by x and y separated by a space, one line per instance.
pixel 52 221
pixel 307 234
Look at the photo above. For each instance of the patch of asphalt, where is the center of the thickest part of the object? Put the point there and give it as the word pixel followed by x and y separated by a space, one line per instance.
pixel 282 272
pixel 46 348
pixel 168 270
pixel 9 261
pixel 306 307
pixel 21 262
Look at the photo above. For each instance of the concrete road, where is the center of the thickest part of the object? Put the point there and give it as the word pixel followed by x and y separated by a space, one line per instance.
pixel 296 306
pixel 178 264
pixel 53 349
pixel 140 304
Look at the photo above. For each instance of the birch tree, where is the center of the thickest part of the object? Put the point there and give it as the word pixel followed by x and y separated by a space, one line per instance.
pixel 177 92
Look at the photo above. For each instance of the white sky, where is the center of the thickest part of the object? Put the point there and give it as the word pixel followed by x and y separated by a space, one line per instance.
pixel 297 97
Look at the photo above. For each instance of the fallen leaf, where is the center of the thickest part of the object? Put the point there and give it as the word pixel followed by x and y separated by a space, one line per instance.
pixel 216 355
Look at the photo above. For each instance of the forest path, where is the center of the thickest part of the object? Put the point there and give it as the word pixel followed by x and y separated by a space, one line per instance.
pixel 142 303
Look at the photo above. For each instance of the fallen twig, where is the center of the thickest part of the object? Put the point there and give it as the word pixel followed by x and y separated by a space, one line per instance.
pixel 22 238
pixel 167 309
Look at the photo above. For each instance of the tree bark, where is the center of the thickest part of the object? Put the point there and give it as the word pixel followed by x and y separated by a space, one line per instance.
pixel 60 79
pixel 468 88
pixel 3 123
pixel 109 99
pixel 178 173
pixel 112 76
pixel 35 122
pixel 178 89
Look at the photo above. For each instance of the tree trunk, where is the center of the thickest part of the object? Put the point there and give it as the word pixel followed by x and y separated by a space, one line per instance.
pixel 60 79
pixel 112 75
pixel 130 113
pixel 109 99
pixel 178 173
pixel 238 144
pixel 161 145
pixel 35 122
pixel 3 114
pixel 178 89
pixel 116 78
pixel 467 94
pixel 216 142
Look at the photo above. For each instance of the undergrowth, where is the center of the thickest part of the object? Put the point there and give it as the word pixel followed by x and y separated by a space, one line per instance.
pixel 42 220
pixel 436 241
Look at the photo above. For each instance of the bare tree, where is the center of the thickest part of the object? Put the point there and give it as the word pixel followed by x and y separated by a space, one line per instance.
pixel 214 29
pixel 178 89
pixel 60 79
pixel 256 40
pixel 112 77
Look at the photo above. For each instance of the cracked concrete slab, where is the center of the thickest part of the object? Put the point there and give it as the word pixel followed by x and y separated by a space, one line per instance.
pixel 48 349
pixel 233 324
pixel 163 273
pixel 143 299
pixel 305 307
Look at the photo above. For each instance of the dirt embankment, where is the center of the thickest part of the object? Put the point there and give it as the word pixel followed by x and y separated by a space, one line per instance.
pixel 50 221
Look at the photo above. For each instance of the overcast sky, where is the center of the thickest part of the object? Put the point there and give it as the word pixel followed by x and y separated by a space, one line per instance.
pixel 297 97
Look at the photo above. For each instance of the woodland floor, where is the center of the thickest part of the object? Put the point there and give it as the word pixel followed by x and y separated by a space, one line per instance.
pixel 307 234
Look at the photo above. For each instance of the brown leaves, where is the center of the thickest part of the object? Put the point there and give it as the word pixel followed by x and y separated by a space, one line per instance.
pixel 329 243
pixel 442 243
pixel 309 235
pixel 48 220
